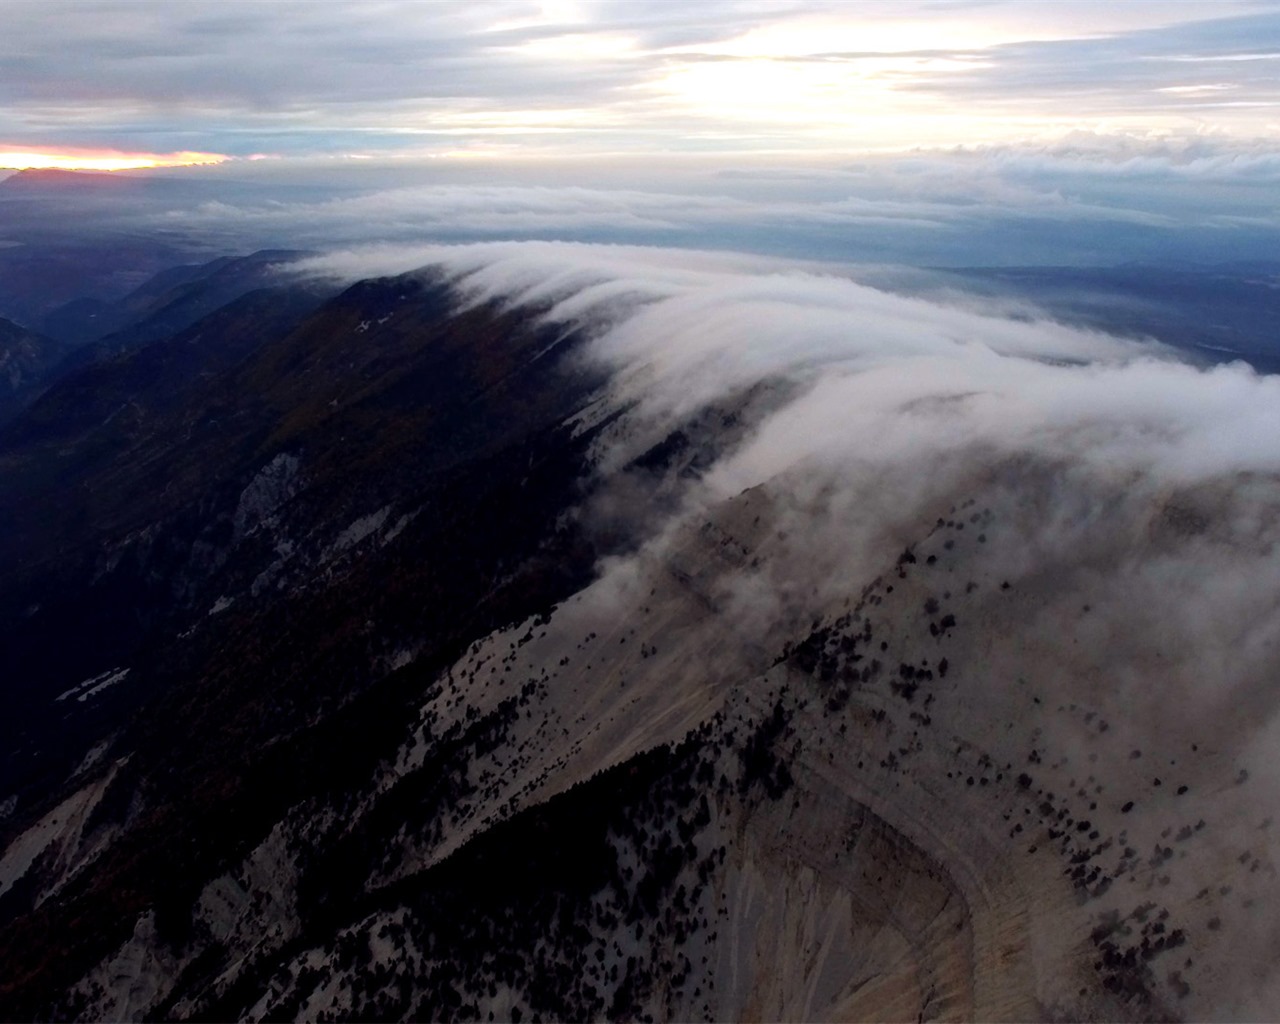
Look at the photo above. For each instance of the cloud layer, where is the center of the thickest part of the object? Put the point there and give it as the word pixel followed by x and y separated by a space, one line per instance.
pixel 395 77
pixel 1090 199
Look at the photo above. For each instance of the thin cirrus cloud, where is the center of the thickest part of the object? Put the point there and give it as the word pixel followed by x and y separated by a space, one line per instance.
pixel 392 77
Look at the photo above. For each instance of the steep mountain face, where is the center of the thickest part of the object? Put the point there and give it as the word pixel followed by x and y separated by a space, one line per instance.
pixel 458 668
pixel 26 361
pixel 288 563
pixel 330 409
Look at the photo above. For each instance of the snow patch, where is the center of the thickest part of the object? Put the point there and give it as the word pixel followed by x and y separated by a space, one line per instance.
pixel 361 529
pixel 399 525
pixel 94 686
pixel 92 757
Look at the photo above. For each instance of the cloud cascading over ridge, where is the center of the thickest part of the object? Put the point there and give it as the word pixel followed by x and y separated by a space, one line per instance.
pixel 1130 500
pixel 874 382
pixel 698 327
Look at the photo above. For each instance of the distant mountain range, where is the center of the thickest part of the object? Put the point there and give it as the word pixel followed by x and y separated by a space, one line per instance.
pixel 54 181
pixel 91 331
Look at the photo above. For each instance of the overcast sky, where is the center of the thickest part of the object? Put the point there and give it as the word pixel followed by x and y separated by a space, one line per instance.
pixel 523 78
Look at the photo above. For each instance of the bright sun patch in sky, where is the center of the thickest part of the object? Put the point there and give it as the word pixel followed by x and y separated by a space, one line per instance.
pixel 99 160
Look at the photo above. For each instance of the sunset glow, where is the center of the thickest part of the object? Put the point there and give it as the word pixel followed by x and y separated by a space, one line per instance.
pixel 99 160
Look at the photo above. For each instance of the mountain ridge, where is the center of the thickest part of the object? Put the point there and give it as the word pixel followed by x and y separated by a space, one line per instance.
pixel 440 596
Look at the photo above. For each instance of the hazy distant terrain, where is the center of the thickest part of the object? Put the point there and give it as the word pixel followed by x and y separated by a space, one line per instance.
pixel 1218 313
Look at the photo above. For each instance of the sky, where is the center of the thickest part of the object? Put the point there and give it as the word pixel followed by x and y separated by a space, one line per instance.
pixel 196 81
pixel 934 132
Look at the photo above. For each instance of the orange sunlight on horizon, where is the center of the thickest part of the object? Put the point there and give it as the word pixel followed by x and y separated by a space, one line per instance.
pixel 65 159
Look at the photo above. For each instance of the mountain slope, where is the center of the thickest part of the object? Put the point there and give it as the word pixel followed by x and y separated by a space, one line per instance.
pixel 482 659
pixel 26 361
